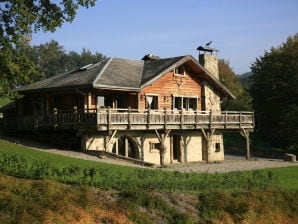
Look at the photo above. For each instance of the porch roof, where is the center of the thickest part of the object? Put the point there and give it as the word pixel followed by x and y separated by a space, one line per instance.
pixel 121 74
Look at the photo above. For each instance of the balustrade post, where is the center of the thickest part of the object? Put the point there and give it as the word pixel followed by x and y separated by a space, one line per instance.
pixel 75 111
pixel 166 118
pixel 210 118
pixel 129 118
pixel 226 118
pixel 55 117
pixel 240 114
pixel 109 118
pixel 148 117
pixel 196 119
pixel 181 119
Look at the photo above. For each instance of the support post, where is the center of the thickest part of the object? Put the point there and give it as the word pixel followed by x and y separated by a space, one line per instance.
pixel 245 134
pixel 126 146
pixel 208 138
pixel 162 150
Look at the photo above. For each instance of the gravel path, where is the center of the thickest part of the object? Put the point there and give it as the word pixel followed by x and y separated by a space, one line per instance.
pixel 231 163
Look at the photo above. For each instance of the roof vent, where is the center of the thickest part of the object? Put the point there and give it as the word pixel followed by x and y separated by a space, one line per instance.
pixel 150 57
pixel 85 67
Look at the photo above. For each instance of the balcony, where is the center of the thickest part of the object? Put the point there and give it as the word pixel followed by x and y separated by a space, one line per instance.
pixel 132 119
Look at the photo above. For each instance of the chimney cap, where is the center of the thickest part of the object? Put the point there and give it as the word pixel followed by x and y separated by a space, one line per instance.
pixel 150 57
pixel 207 49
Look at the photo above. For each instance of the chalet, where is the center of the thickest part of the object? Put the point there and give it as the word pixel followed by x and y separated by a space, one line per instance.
pixel 154 110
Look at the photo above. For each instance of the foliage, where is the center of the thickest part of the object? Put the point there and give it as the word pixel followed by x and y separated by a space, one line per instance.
pixel 51 58
pixel 4 101
pixel 274 91
pixel 15 69
pixel 232 82
pixel 18 20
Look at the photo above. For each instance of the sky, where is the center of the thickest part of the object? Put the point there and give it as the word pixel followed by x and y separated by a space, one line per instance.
pixel 241 29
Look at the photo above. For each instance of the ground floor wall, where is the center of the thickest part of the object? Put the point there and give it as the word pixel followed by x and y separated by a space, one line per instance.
pixel 180 146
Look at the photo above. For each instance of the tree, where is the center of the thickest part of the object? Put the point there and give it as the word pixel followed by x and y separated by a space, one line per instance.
pixel 232 82
pixel 15 69
pixel 48 57
pixel 275 94
pixel 18 20
pixel 52 59
pixel 74 60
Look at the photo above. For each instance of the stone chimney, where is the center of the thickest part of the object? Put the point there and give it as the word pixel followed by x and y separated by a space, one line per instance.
pixel 208 60
pixel 211 98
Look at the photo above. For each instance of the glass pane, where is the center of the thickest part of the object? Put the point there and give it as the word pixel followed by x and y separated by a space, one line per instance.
pixel 177 103
pixel 185 103
pixel 100 101
pixel 192 104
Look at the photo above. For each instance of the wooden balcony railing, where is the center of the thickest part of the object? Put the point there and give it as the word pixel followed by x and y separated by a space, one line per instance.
pixel 131 119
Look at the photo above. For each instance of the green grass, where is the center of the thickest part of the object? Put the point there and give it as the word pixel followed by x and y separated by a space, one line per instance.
pixel 20 161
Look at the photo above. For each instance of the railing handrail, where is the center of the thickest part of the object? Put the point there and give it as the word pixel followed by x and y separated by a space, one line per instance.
pixel 130 118
pixel 160 111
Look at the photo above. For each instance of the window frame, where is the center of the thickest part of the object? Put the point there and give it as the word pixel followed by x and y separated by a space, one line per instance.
pixel 155 101
pixel 179 71
pixel 185 103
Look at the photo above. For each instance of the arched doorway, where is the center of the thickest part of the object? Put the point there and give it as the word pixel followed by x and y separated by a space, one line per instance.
pixel 127 147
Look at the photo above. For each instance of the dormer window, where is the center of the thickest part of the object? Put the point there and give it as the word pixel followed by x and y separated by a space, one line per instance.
pixel 179 71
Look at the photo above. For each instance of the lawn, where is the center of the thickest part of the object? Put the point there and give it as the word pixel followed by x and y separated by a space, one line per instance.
pixel 20 161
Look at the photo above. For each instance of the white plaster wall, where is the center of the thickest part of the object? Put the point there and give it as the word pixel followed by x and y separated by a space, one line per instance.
pixel 217 155
pixel 94 142
pixel 153 155
pixel 193 152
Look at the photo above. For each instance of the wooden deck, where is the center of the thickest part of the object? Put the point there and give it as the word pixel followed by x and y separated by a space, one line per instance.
pixel 129 119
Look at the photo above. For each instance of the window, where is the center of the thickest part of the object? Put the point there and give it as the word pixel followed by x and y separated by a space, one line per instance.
pixel 186 103
pixel 105 101
pixel 177 103
pixel 179 70
pixel 152 102
pixel 155 145
pixel 217 147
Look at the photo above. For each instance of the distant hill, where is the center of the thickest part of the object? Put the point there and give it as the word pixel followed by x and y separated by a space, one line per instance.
pixel 245 79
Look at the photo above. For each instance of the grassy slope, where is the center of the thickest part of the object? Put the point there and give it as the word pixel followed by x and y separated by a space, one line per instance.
pixel 21 161
pixel 47 201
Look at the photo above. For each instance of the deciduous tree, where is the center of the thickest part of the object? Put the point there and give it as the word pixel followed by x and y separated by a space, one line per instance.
pixel 18 20
pixel 231 81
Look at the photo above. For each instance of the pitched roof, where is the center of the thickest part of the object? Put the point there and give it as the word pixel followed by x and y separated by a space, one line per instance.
pixel 122 74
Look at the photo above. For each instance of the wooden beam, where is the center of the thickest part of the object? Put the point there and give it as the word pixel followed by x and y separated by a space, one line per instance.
pixel 158 135
pixel 112 136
